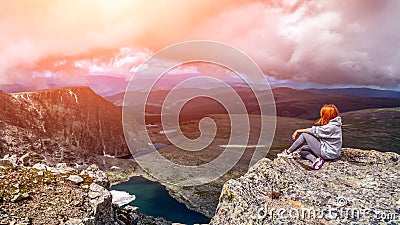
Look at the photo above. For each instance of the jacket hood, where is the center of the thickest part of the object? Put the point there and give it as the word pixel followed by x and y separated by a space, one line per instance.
pixel 336 121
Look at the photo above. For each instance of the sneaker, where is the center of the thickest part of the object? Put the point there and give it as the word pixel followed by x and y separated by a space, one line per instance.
pixel 318 163
pixel 285 154
pixel 296 155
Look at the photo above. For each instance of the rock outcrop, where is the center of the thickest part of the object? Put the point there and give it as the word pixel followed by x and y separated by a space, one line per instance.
pixel 361 187
pixel 60 125
pixel 44 194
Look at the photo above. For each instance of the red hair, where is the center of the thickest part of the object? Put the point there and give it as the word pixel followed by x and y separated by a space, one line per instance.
pixel 327 113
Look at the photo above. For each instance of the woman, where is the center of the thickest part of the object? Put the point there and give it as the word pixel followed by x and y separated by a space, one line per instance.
pixel 320 142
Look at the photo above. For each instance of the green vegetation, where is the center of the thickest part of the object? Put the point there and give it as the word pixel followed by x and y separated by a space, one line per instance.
pixel 377 129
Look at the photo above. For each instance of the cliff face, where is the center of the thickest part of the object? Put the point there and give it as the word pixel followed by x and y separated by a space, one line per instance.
pixel 362 187
pixel 61 124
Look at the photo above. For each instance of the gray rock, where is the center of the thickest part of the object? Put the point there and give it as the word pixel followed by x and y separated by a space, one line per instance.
pixel 130 208
pixel 61 168
pixel 40 166
pixel 20 197
pixel 99 176
pixel 23 158
pixel 74 221
pixel 76 179
pixel 398 205
pixel 5 163
pixel 360 183
pixel 101 201
pixel 12 158
pixel 115 168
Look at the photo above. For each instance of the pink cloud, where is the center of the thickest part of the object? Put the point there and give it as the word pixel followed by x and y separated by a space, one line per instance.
pixel 328 42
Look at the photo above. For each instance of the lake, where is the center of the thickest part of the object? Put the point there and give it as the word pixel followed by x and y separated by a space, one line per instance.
pixel 153 199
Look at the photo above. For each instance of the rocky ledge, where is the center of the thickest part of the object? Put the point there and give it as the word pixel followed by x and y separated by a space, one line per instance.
pixel 42 194
pixel 361 187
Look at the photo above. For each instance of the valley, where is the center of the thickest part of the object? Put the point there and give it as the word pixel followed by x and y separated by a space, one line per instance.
pixel 76 126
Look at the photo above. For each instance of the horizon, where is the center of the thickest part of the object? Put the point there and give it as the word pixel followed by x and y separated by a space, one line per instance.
pixel 19 88
pixel 11 88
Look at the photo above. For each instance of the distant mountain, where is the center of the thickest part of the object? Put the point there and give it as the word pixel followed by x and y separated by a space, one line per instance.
pixel 360 92
pixel 12 88
pixel 63 124
pixel 116 99
pixel 306 104
pixel 106 85
pixel 102 84
pixel 289 102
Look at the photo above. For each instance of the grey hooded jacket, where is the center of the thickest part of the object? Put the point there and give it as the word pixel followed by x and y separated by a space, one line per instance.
pixel 330 136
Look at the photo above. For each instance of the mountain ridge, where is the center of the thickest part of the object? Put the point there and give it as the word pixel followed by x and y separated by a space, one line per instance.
pixel 63 123
pixel 289 102
pixel 360 92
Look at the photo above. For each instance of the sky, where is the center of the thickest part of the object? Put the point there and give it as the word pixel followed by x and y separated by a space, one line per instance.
pixel 325 42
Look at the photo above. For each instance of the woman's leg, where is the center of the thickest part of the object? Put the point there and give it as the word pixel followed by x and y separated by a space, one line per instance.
pixel 306 152
pixel 312 142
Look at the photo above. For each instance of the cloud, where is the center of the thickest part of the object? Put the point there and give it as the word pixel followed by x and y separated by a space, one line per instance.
pixel 45 31
pixel 326 42
pixel 122 64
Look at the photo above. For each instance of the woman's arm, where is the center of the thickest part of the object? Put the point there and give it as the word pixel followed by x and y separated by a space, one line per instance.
pixel 298 132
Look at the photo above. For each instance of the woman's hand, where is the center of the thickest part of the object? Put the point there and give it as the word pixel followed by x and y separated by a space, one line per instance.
pixel 298 132
pixel 295 134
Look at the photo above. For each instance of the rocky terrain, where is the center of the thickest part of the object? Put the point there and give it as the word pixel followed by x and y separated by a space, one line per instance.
pixel 60 125
pixel 61 195
pixel 361 187
pixel 76 126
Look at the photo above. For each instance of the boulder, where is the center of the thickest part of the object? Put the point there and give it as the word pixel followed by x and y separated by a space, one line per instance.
pixel 62 168
pixel 101 200
pixel 30 159
pixel 76 179
pixel 99 176
pixel 12 158
pixel 40 166
pixel 5 163
pixel 9 161
pixel 128 214
pixel 361 187
pixel 19 197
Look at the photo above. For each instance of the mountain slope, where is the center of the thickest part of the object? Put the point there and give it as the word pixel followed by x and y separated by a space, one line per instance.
pixel 289 102
pixel 61 124
pixel 306 104
pixel 360 92
pixel 377 129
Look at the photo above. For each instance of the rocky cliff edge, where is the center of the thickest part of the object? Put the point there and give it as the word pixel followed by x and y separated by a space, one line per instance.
pixel 43 194
pixel 361 187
